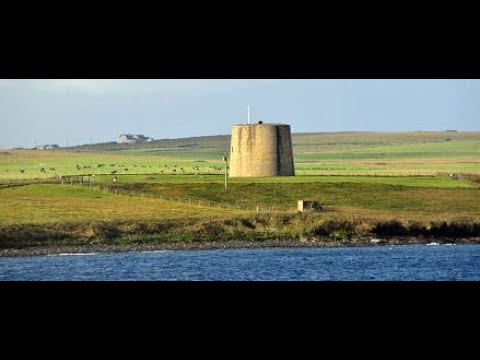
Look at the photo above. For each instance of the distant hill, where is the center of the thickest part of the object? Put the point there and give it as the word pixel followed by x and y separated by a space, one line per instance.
pixel 302 141
pixel 312 148
pixel 216 142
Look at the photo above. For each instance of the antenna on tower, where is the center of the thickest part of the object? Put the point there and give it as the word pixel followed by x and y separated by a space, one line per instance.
pixel 248 114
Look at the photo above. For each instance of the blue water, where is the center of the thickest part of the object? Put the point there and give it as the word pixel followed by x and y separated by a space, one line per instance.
pixel 442 262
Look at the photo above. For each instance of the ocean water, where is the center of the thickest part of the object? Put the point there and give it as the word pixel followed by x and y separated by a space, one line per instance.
pixel 439 262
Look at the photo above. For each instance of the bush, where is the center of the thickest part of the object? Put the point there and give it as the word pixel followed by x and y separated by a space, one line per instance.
pixel 329 227
pixel 390 228
pixel 417 229
pixel 455 229
pixel 247 223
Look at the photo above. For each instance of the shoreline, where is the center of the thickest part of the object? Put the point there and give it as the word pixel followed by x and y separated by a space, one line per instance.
pixel 230 244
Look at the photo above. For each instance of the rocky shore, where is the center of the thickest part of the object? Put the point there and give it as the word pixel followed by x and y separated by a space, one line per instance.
pixel 229 244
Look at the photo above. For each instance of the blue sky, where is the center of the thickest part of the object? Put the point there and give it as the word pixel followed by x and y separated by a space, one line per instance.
pixel 77 111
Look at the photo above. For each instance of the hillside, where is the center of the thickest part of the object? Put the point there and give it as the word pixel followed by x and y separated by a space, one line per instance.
pixel 172 190
pixel 303 142
pixel 200 142
pixel 335 153
pixel 349 153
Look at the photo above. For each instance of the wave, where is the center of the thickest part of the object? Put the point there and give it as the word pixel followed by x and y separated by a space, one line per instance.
pixel 154 251
pixel 73 254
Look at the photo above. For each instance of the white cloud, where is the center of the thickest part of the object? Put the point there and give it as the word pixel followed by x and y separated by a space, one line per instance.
pixel 84 85
pixel 5 83
pixel 134 86
pixel 88 86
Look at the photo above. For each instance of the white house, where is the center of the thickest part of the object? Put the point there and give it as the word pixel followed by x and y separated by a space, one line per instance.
pixel 133 139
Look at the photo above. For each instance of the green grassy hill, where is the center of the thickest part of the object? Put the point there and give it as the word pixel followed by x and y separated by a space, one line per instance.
pixel 314 143
pixel 174 189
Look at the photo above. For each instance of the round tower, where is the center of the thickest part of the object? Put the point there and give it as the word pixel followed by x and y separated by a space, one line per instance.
pixel 261 150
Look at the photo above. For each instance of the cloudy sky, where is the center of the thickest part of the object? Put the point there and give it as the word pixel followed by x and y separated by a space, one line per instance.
pixel 78 111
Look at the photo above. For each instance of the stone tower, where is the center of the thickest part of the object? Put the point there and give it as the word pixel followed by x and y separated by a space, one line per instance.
pixel 261 150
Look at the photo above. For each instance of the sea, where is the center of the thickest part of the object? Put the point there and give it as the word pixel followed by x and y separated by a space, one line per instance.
pixel 433 262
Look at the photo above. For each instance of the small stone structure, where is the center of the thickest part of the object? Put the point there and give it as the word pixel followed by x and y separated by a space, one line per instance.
pixel 308 205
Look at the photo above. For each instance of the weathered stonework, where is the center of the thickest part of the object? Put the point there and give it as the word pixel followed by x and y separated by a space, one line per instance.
pixel 261 150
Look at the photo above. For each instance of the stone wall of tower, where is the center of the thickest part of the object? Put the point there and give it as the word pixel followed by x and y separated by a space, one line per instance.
pixel 261 150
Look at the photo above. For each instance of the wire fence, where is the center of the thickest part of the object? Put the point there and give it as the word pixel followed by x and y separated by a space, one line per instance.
pixel 70 179
pixel 139 194
pixel 190 201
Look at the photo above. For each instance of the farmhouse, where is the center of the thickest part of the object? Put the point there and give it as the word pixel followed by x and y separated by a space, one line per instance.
pixel 47 147
pixel 133 139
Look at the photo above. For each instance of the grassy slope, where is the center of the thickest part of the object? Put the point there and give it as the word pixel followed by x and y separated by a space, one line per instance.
pixel 351 197
pixel 46 203
pixel 362 198
pixel 36 215
pixel 423 181
pixel 429 198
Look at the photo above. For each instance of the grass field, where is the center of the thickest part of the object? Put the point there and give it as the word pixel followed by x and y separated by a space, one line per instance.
pixel 396 154
pixel 49 203
pixel 359 178
pixel 423 181
pixel 54 215
pixel 402 197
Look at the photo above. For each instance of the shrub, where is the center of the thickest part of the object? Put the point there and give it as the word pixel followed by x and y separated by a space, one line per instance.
pixel 334 226
pixel 417 229
pixel 390 228
pixel 247 223
pixel 454 229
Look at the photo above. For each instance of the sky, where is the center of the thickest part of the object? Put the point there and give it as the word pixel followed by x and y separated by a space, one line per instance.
pixel 70 112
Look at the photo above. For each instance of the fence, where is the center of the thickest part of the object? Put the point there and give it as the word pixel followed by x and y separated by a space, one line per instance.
pixel 118 190
pixel 69 179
